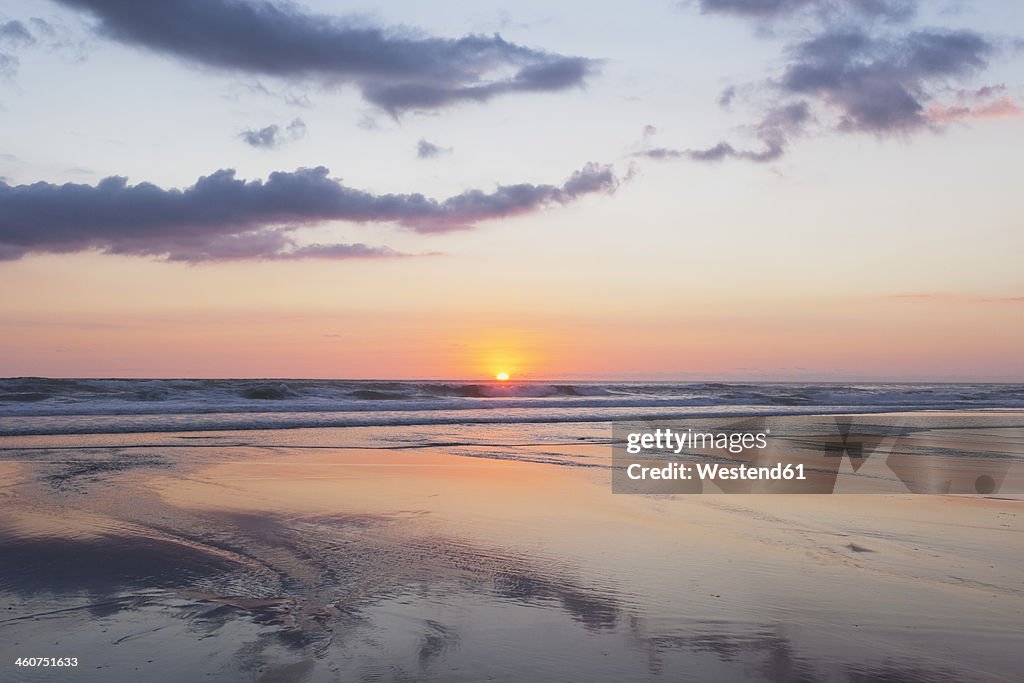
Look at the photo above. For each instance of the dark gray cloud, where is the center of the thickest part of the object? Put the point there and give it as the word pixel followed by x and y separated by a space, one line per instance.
pixel 985 92
pixel 296 129
pixel 754 8
pixel 727 96
pixel 559 73
pixel 272 136
pixel 428 150
pixel 266 244
pixel 881 84
pixel 13 35
pixel 719 152
pixel 8 63
pixel 774 131
pixel 265 138
pixel 223 217
pixel 395 69
pixel 16 35
pixel 887 10
pixel 854 74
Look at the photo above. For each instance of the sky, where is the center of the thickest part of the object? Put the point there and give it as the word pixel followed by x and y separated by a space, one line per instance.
pixel 668 190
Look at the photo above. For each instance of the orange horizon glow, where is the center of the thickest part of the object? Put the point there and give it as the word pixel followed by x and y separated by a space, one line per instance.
pixel 83 322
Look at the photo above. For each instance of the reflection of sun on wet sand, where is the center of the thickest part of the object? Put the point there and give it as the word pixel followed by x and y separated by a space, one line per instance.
pixel 309 562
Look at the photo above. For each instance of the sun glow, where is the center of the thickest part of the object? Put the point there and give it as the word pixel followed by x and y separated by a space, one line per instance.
pixel 501 377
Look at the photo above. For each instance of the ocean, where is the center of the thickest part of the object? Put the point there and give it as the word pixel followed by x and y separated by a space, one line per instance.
pixel 83 406
pixel 323 531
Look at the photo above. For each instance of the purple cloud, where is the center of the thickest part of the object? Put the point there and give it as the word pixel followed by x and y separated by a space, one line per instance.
pixel 774 131
pixel 272 136
pixel 223 217
pixel 395 69
pixel 887 10
pixel 13 35
pixel 881 85
pixel 428 150
pixel 847 69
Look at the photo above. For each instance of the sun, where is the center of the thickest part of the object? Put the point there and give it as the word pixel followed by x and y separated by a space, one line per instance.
pixel 501 377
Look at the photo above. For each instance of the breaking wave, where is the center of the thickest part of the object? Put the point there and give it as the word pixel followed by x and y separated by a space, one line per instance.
pixel 41 405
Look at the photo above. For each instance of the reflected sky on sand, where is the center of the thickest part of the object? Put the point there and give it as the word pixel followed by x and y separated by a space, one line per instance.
pixel 285 563
pixel 438 611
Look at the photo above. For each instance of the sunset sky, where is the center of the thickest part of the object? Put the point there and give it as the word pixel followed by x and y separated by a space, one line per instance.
pixel 733 189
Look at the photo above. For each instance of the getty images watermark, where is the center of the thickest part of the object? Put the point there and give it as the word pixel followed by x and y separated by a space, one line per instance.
pixel 915 453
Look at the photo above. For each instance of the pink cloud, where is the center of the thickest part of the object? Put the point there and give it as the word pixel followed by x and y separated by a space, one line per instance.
pixel 985 92
pixel 1002 108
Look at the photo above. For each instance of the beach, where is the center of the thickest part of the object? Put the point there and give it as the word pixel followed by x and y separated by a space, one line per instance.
pixel 478 552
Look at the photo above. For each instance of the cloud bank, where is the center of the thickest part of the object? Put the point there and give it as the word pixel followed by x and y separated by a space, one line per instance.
pixel 880 84
pixel 222 217
pixel 393 68
pixel 850 66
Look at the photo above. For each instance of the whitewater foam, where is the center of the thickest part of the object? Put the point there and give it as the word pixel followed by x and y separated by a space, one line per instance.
pixel 54 406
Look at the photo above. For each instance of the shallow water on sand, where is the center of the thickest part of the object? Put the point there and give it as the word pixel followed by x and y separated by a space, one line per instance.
pixel 472 552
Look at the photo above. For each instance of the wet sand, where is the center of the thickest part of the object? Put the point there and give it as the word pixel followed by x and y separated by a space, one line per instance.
pixel 479 554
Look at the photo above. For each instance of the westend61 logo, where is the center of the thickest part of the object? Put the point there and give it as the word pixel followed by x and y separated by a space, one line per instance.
pixel 887 453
